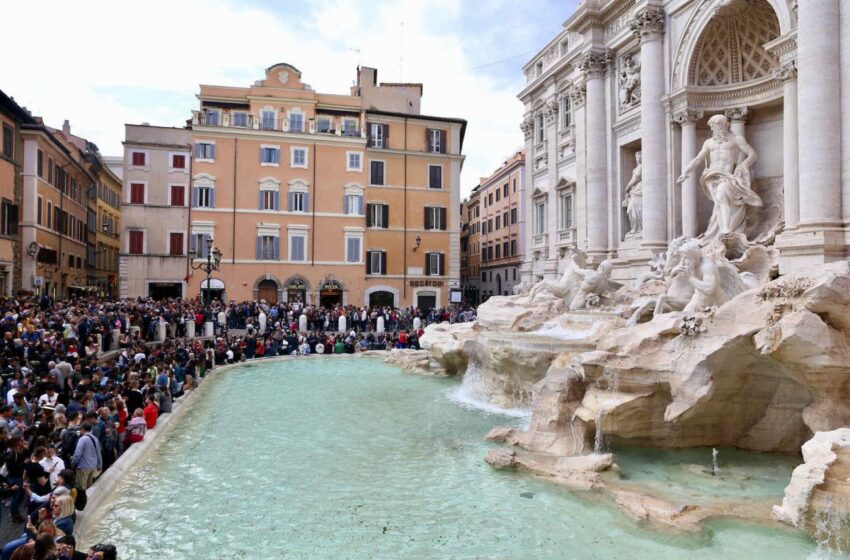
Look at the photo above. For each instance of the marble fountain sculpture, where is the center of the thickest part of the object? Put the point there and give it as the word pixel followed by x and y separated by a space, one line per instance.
pixel 709 349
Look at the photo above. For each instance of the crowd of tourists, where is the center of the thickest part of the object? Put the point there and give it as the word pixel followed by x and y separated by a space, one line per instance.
pixel 85 379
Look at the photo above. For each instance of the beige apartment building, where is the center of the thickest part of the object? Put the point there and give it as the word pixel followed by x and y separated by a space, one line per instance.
pixel 471 248
pixel 324 198
pixel 154 212
pixel 501 236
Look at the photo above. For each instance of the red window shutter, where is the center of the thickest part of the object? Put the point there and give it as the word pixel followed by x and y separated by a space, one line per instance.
pixel 139 159
pixel 178 161
pixel 137 193
pixel 176 244
pixel 178 195
pixel 137 242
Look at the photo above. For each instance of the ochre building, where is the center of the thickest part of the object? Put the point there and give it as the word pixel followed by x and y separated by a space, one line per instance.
pixel 323 198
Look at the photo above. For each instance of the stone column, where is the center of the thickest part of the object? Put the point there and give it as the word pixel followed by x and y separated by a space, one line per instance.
pixel 819 98
pixel 687 119
pixel 738 118
pixel 578 98
pixel 594 66
pixel 648 26
pixel 787 72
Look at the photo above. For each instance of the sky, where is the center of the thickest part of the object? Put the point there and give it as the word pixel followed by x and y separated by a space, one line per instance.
pixel 101 64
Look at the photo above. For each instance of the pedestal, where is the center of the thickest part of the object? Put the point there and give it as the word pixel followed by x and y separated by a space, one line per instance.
pixel 342 324
pixel 190 329
pixel 208 329
pixel 161 331
pixel 417 323
pixel 116 336
pixel 302 323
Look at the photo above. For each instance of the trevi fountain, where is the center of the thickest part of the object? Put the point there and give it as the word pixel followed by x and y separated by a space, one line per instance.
pixel 731 338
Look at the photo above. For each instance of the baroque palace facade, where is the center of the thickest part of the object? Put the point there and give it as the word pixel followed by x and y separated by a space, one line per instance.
pixel 618 104
pixel 311 198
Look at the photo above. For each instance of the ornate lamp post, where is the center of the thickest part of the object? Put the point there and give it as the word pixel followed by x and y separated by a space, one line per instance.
pixel 213 263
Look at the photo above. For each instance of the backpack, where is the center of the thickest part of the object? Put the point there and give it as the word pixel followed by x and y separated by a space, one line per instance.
pixel 69 443
pixel 81 500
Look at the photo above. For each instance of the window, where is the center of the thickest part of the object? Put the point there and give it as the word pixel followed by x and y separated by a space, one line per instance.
pixel 376 262
pixel 435 218
pixel 436 141
pixel 137 193
pixel 378 134
pixel 353 204
pixel 514 185
pixel 296 122
pixel 136 242
pixel 239 119
pixel 178 161
pixel 505 219
pixel 79 262
pixel 9 221
pixel 566 113
pixel 139 159
pixel 541 130
pixel 269 155
pixel 297 243
pixel 203 196
pixel 566 210
pixel 323 125
pixel 349 128
pixel 490 225
pixel 378 215
pixel 299 157
pixel 498 222
pixel 434 264
pixel 50 170
pixel 199 244
pixel 205 151
pixel 269 200
pixel 483 228
pixel 490 197
pixel 211 117
pixel 8 141
pixel 352 249
pixel 268 248
pixel 354 161
pixel 298 202
pixel 505 252
pixel 484 276
pixel 505 189
pixel 49 215
pixel 565 46
pixel 513 252
pixel 40 164
pixel 513 215
pixel 498 251
pixel 267 120
pixel 498 195
pixel 70 261
pixel 435 176
pixel 376 173
pixel 39 210
pixel 178 195
pixel 540 218
pixel 175 243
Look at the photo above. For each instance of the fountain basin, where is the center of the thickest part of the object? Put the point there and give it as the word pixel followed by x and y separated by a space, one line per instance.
pixel 350 458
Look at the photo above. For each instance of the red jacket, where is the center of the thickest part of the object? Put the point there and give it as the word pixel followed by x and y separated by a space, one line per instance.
pixel 151 413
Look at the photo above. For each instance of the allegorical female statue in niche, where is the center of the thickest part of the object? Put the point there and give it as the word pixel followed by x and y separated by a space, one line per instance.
pixel 633 202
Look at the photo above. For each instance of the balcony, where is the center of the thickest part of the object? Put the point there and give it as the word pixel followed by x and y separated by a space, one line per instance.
pixel 325 126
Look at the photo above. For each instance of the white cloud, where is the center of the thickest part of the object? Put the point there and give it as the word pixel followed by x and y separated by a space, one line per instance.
pixel 112 63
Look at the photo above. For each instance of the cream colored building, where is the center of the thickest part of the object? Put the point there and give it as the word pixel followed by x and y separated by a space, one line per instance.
pixel 155 207
pixel 626 76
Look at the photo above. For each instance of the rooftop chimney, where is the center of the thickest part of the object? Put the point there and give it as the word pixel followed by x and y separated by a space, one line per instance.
pixel 66 127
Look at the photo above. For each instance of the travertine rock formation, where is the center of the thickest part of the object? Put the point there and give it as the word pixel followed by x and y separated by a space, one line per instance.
pixel 818 497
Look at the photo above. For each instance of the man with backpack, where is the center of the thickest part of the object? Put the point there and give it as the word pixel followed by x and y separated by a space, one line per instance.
pixel 87 459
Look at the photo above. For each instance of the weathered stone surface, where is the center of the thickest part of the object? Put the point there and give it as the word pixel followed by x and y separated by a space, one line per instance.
pixel 416 361
pixel 516 313
pixel 818 497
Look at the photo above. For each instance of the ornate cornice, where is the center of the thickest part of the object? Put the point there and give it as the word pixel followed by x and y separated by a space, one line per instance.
pixel 787 71
pixel 686 116
pixel 737 114
pixel 648 24
pixel 595 64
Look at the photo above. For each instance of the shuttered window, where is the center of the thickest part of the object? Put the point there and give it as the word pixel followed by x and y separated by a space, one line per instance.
pixel 434 264
pixel 435 176
pixel 178 195
pixel 268 248
pixel 297 244
pixel 376 173
pixel 435 218
pixel 352 249
pixel 376 262
pixel 377 215
pixel 136 242
pixel 175 244
pixel 137 193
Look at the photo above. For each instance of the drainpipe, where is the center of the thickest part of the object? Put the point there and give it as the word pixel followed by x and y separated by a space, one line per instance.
pixel 235 159
pixel 404 252
pixel 188 199
pixel 313 212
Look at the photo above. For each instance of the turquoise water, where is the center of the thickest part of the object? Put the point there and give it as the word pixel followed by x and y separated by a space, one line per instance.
pixel 319 458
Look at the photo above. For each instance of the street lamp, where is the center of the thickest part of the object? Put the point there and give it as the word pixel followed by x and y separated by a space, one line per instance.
pixel 213 263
